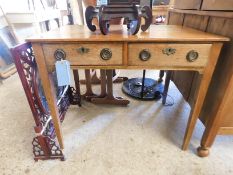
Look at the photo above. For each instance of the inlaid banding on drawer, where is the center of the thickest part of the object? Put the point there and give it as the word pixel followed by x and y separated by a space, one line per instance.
pixel 85 54
pixel 169 55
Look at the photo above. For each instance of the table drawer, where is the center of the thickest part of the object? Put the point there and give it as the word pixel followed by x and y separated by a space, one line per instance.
pixel 86 54
pixel 169 55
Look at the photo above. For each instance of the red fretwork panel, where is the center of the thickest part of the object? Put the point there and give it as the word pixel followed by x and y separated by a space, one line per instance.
pixel 44 144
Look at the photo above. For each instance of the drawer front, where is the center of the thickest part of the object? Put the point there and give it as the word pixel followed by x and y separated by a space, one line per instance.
pixel 85 54
pixel 169 55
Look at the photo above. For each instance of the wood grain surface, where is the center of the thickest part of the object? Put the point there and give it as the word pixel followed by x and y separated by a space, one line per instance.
pixel 90 58
pixel 176 59
pixel 156 33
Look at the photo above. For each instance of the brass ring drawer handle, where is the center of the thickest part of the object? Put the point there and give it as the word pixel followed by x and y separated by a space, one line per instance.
pixel 106 54
pixel 60 54
pixel 192 55
pixel 83 50
pixel 144 55
pixel 169 51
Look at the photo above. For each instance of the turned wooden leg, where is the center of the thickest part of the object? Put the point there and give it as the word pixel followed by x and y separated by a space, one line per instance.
pixel 161 75
pixel 89 93
pixel 211 131
pixel 200 94
pixel 166 86
pixel 209 135
pixel 203 151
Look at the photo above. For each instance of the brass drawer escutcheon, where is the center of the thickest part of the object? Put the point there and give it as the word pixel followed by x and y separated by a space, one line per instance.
pixel 169 51
pixel 83 50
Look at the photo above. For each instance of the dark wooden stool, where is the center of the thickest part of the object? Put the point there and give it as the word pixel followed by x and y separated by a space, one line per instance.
pixel 106 96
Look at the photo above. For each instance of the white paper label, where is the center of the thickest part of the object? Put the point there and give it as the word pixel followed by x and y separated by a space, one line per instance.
pixel 63 72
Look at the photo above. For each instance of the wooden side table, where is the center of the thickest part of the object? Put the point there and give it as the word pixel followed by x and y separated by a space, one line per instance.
pixel 162 47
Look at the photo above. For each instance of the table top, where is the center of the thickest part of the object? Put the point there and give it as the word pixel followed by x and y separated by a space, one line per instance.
pixel 156 33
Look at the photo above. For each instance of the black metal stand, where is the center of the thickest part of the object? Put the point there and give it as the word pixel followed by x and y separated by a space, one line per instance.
pixel 143 88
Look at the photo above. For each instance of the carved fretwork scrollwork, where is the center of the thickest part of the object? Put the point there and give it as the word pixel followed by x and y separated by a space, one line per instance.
pixel 27 69
pixel 52 151
pixel 44 146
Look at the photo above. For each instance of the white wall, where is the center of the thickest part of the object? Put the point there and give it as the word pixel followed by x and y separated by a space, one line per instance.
pixel 3 22
pixel 76 11
pixel 23 6
pixel 14 5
